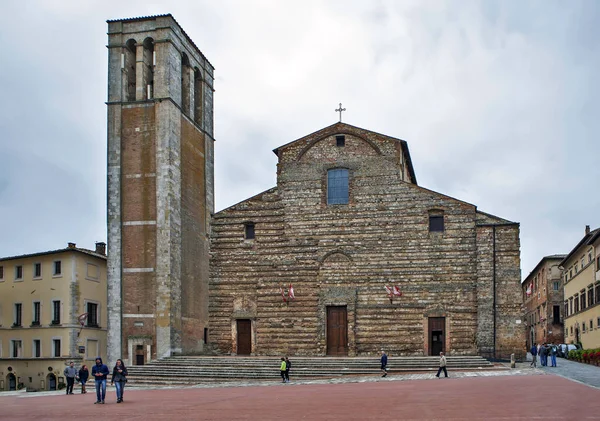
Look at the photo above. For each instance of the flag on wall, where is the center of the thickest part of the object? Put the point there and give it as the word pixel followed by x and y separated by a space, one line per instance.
pixel 528 292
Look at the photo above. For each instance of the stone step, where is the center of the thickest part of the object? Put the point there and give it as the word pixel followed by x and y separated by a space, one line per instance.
pixel 192 370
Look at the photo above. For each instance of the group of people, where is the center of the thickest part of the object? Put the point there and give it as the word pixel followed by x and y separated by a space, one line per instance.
pixel 543 350
pixel 442 367
pixel 100 374
pixel 284 369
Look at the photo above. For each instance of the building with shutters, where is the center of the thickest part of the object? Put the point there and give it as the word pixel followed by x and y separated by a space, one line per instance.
pixel 543 298
pixel 43 298
pixel 581 276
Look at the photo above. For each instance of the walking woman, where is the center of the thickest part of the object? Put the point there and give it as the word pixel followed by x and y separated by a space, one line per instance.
pixel 84 374
pixel 119 378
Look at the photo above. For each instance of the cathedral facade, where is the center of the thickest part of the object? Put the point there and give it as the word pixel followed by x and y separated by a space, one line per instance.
pixel 345 227
pixel 347 255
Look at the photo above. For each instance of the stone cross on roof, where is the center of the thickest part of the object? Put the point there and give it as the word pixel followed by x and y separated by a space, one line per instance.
pixel 340 111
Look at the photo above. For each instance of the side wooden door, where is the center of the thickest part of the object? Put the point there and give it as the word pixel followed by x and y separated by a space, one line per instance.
pixel 437 335
pixel 244 337
pixel 337 330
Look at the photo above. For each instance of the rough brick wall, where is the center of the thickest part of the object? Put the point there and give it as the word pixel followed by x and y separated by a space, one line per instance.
pixel 344 255
pixel 160 183
pixel 194 241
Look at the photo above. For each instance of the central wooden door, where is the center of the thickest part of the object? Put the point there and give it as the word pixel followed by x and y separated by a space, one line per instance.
pixel 337 330
pixel 244 337
pixel 437 335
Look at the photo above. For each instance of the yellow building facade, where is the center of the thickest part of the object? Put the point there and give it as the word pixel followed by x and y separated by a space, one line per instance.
pixel 581 276
pixel 52 311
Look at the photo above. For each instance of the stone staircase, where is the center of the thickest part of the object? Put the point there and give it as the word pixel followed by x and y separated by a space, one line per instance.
pixel 194 370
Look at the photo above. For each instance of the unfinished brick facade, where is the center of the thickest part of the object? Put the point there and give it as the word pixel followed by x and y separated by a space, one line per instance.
pixel 460 285
pixel 160 189
pixel 543 296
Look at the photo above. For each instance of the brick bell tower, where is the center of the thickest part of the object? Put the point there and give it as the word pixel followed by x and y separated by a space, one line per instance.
pixel 160 189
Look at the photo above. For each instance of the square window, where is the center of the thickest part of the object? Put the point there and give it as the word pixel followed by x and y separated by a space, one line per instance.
pixel 555 285
pixel 37 348
pixel 37 270
pixel 57 268
pixel 249 233
pixel 436 223
pixel 340 140
pixel 18 272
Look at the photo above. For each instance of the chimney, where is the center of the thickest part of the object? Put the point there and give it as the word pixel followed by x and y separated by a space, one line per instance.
pixel 101 248
pixel 587 230
pixel 72 245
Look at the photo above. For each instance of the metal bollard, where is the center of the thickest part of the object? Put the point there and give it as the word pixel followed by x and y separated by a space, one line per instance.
pixel 513 363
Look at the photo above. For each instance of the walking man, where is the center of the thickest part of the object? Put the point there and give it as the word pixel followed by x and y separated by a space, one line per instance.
pixel 442 366
pixel 383 363
pixel 100 373
pixel 534 353
pixel 70 373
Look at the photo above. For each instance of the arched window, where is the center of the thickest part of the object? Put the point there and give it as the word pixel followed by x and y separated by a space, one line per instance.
pixel 337 186
pixel 198 97
pixel 148 69
pixel 128 65
pixel 185 84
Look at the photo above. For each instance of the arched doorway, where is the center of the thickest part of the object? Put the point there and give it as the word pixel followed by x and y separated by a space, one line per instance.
pixel 51 381
pixel 11 381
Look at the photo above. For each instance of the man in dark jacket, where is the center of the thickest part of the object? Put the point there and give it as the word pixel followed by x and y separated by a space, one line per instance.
pixel 288 366
pixel 533 351
pixel 383 364
pixel 544 355
pixel 99 373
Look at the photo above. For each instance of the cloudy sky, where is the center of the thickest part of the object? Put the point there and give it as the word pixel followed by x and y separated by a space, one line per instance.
pixel 499 103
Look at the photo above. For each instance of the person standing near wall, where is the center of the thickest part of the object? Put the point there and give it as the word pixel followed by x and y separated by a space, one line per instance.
pixel 282 369
pixel 288 366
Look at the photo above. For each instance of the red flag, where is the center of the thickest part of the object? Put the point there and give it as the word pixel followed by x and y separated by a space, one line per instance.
pixel 397 291
pixel 283 295
pixel 389 291
pixel 291 293
pixel 528 292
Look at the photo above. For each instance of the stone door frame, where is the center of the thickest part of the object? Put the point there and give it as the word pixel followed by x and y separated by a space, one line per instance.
pixel 132 342
pixel 426 333
pixel 234 332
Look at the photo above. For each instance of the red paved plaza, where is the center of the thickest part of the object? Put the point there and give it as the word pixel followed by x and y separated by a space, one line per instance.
pixel 489 398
